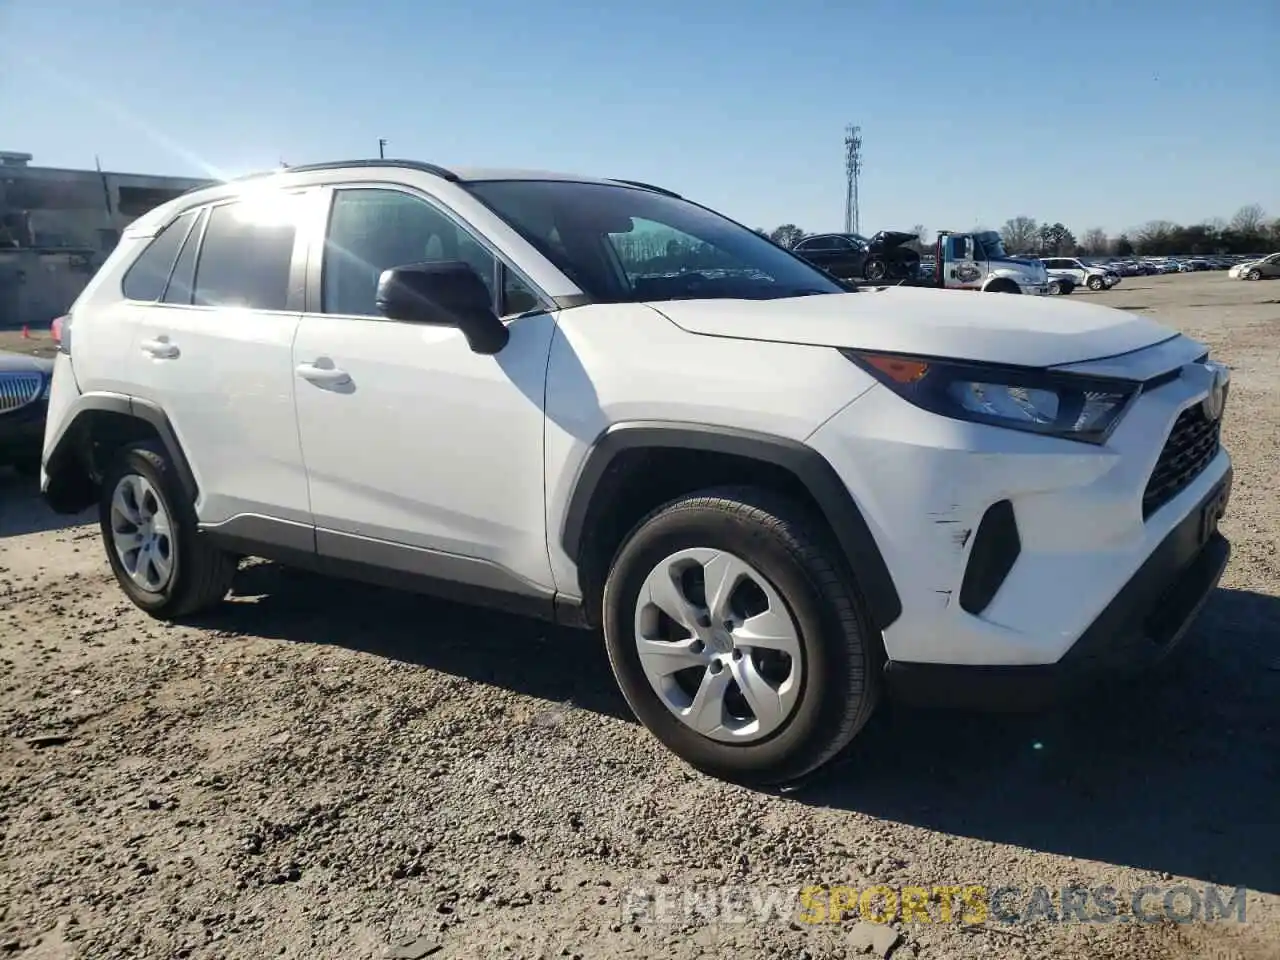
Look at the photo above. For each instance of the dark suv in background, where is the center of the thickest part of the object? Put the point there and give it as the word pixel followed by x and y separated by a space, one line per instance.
pixel 850 256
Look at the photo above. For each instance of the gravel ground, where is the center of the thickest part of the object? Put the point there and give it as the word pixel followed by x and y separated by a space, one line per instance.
pixel 329 770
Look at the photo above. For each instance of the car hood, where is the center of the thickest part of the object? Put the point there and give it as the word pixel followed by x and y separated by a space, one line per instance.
pixel 888 239
pixel 21 363
pixel 988 327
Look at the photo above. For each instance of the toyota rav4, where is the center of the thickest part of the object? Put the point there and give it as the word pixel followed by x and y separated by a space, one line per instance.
pixel 598 402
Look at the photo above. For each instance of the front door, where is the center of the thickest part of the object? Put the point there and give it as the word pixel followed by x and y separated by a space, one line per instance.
pixel 421 455
pixel 961 269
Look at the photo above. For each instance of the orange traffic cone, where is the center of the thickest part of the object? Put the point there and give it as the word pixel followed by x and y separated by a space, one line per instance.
pixel 26 332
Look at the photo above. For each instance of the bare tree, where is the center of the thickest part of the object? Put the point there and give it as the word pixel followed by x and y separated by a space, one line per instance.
pixel 1248 220
pixel 1095 242
pixel 787 235
pixel 1154 235
pixel 1019 234
pixel 1056 239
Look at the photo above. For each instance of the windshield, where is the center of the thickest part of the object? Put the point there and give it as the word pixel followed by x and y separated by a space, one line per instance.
pixel 990 246
pixel 622 244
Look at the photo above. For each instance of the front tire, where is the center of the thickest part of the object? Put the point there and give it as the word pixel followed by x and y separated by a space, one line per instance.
pixel 1096 283
pixel 875 270
pixel 149 530
pixel 1253 275
pixel 738 638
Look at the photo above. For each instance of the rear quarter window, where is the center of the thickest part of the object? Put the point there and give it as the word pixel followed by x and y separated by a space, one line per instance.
pixel 147 278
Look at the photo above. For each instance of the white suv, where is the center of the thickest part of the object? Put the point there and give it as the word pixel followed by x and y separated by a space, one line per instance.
pixel 1082 274
pixel 598 402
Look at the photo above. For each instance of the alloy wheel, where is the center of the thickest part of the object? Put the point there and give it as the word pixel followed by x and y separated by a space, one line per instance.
pixel 142 533
pixel 718 645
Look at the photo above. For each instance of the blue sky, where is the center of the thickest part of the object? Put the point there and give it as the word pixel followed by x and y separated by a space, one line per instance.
pixel 1093 113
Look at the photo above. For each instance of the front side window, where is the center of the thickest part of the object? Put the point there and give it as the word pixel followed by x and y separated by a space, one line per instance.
pixel 990 246
pixel 247 252
pixel 372 230
pixel 624 244
pixel 146 279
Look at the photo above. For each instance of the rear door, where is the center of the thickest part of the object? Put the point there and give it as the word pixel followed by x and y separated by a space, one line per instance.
pixel 212 347
pixel 848 258
pixel 817 250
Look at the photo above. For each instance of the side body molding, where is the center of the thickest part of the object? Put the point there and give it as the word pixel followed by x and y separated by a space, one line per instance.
pixel 808 466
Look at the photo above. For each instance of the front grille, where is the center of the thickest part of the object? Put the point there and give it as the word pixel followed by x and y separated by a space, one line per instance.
pixel 18 389
pixel 1192 444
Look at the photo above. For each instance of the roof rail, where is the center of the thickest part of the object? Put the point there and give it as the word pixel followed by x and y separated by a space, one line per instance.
pixel 648 186
pixel 338 164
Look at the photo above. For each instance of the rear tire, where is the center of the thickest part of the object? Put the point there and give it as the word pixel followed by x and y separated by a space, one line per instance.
pixel 149 529
pixel 803 695
pixel 1055 288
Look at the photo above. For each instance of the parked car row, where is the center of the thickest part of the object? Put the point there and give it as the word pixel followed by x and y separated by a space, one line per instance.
pixel 1150 266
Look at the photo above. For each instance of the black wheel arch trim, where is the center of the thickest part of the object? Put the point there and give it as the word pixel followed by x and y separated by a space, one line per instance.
pixel 808 466
pixel 145 410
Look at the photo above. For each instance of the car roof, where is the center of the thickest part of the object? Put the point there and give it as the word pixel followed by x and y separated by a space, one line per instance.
pixel 151 221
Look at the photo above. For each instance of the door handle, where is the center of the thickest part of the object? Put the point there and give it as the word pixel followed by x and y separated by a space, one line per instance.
pixel 328 376
pixel 160 348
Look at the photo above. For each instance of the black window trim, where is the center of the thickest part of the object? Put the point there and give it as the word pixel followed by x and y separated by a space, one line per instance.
pixel 201 222
pixel 319 233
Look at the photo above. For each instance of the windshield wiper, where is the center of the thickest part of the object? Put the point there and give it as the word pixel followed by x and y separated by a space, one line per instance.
pixel 810 292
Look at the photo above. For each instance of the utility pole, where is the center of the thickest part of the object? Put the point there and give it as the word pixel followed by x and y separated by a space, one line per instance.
pixel 382 148
pixel 852 168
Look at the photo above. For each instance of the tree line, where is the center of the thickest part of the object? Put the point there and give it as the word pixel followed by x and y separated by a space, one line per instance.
pixel 1248 231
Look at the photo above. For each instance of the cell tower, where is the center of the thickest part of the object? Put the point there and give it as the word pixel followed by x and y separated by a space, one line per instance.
pixel 852 167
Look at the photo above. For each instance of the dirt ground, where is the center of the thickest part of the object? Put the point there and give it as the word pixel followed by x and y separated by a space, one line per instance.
pixel 329 770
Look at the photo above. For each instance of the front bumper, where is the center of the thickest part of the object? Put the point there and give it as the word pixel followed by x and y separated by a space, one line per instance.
pixel 1035 289
pixel 1082 520
pixel 1143 624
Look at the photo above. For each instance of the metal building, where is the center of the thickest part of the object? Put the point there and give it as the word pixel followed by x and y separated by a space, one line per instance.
pixel 58 225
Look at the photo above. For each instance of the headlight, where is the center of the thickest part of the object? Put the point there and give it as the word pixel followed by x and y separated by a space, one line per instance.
pixel 1018 398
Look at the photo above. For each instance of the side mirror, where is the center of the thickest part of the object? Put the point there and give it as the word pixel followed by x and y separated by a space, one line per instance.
pixel 448 293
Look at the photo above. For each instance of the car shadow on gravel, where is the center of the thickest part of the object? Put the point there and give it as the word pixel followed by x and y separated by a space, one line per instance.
pixel 1178 772
pixel 22 511
pixel 528 656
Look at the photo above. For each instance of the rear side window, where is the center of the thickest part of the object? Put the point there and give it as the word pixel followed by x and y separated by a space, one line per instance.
pixel 247 252
pixel 146 279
